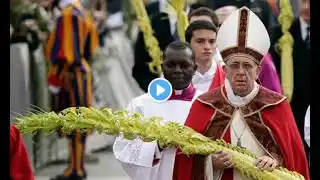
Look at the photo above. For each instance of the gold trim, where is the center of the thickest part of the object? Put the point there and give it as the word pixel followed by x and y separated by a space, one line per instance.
pixel 273 138
pixel 229 123
pixel 255 138
pixel 241 54
pixel 265 106
pixel 241 106
pixel 211 120
pixel 217 109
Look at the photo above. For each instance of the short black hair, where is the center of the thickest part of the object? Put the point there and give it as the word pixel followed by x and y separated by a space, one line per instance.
pixel 199 25
pixel 204 11
pixel 178 45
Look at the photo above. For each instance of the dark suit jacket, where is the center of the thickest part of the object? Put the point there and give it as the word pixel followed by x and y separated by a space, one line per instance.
pixel 259 7
pixel 302 66
pixel 263 11
pixel 161 26
pixel 153 8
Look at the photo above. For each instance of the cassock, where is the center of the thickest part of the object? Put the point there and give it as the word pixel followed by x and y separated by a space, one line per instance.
pixel 20 165
pixel 262 121
pixel 213 78
pixel 268 76
pixel 144 160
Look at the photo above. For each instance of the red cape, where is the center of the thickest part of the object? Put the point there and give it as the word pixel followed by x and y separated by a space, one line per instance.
pixel 278 118
pixel 218 81
pixel 20 166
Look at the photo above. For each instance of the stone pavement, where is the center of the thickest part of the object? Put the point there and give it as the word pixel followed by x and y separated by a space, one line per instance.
pixel 107 169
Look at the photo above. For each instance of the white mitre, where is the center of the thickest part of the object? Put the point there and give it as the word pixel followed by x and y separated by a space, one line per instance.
pixel 243 34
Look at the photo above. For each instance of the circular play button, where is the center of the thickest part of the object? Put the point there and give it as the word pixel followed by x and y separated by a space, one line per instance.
pixel 160 89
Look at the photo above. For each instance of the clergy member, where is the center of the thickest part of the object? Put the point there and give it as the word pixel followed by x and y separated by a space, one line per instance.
pixel 241 112
pixel 144 160
pixel 268 76
pixel 201 35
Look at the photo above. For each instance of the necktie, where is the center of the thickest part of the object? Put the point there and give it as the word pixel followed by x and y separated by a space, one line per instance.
pixel 307 39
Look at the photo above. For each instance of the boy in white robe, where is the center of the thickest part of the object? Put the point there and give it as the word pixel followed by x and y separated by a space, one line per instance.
pixel 146 160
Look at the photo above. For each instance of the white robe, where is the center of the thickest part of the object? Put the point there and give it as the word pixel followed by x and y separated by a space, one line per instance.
pixel 239 128
pixel 136 156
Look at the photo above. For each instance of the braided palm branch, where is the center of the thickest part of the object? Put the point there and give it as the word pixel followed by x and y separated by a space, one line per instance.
pixel 169 134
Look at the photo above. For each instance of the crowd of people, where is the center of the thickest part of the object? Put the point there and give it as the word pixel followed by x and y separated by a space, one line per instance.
pixel 226 80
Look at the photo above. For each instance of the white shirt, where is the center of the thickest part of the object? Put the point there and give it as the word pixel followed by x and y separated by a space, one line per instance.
pixel 307 127
pixel 173 18
pixel 203 82
pixel 303 27
pixel 136 156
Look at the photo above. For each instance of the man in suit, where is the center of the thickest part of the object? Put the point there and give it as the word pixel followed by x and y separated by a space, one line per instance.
pixel 164 26
pixel 260 7
pixel 301 63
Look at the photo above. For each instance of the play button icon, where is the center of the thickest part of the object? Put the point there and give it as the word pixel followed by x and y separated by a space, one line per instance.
pixel 160 89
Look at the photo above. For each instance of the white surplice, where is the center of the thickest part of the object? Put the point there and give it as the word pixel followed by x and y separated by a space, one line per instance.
pixel 203 82
pixel 239 128
pixel 136 156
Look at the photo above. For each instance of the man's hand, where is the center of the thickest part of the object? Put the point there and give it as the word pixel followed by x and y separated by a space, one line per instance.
pixel 222 160
pixel 266 163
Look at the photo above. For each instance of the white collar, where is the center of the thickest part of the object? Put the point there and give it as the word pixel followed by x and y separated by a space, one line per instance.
pixel 211 71
pixel 162 5
pixel 303 23
pixel 303 26
pixel 178 92
pixel 238 100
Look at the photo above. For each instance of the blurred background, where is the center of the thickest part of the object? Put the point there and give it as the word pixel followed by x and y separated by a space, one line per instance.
pixel 114 86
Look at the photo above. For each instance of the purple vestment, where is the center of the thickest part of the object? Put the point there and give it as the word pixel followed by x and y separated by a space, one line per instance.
pixel 268 76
